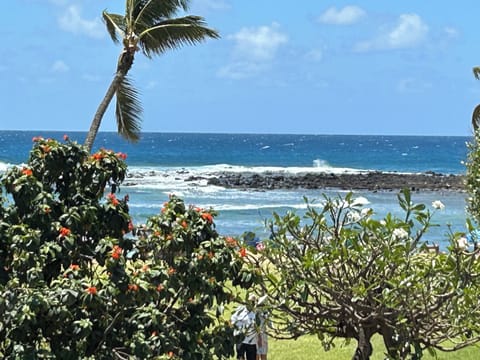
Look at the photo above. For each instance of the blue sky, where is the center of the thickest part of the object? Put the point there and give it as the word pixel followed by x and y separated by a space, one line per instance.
pixel 310 67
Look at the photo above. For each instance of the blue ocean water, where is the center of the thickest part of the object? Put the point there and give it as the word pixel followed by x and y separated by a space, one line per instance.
pixel 160 164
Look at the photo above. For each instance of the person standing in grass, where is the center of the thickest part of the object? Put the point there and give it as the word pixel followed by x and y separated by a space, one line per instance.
pixel 262 337
pixel 243 320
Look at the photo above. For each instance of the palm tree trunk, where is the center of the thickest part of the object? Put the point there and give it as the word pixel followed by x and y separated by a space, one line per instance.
pixel 97 119
pixel 124 64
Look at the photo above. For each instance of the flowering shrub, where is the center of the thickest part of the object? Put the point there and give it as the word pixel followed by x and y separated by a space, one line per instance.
pixel 79 281
pixel 340 272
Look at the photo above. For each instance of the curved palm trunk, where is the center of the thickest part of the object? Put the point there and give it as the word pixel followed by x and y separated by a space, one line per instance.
pixel 125 62
pixel 97 119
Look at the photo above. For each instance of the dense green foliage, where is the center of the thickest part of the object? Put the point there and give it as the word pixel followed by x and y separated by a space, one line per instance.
pixel 78 280
pixel 340 272
pixel 473 176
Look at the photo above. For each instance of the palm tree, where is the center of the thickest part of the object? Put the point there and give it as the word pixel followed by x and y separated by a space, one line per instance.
pixel 148 26
pixel 476 111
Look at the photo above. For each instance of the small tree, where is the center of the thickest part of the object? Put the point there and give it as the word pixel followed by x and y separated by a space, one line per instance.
pixel 79 281
pixel 339 272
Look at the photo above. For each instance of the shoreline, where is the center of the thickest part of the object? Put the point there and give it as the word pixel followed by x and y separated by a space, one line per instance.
pixel 370 181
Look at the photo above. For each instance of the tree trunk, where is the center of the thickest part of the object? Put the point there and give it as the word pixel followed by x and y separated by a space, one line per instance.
pixel 125 62
pixel 97 119
pixel 364 347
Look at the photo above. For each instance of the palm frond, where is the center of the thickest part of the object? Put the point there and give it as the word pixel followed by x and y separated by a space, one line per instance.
pixel 152 11
pixel 128 111
pixel 174 33
pixel 115 25
pixel 476 72
pixel 476 118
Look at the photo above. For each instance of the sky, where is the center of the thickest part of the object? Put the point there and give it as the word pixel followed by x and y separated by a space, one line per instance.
pixel 368 67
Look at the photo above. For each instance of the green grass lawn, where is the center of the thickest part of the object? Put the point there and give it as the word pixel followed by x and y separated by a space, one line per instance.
pixel 309 347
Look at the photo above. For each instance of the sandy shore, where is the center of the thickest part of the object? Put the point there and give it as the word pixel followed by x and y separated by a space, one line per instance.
pixel 372 181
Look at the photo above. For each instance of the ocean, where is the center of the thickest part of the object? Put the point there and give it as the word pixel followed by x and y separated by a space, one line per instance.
pixel 160 163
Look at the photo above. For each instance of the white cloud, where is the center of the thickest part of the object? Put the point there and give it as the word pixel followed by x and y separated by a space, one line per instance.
pixel 259 44
pixel 253 52
pixel 59 67
pixel 72 21
pixel 410 31
pixel 347 15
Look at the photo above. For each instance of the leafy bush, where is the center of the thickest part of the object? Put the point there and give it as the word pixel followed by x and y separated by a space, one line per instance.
pixel 78 280
pixel 339 272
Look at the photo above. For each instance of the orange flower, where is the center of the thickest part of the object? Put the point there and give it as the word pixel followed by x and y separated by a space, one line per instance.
pixel 133 287
pixel 171 271
pixel 243 252
pixel 92 290
pixel 27 171
pixel 113 199
pixel 46 149
pixel 170 354
pixel 98 156
pixel 145 268
pixel 184 224
pixel 74 267
pixel 160 287
pixel 207 217
pixel 65 231
pixel 231 241
pixel 47 209
pixel 116 252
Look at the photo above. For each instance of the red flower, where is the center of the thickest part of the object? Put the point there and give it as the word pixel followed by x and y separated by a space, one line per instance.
pixel 160 287
pixel 64 231
pixel 27 171
pixel 243 252
pixel 207 217
pixel 47 209
pixel 184 224
pixel 92 290
pixel 74 267
pixel 121 155
pixel 171 271
pixel 113 199
pixel 133 287
pixel 116 252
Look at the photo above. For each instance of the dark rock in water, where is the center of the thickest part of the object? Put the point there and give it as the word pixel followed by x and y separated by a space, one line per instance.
pixel 372 181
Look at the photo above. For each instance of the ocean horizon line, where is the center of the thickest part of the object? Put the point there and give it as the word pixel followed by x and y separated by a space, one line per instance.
pixel 109 132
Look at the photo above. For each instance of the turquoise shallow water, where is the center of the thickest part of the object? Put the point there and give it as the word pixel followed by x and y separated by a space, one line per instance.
pixel 161 162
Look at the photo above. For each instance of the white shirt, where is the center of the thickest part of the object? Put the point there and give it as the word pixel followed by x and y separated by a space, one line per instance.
pixel 244 322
